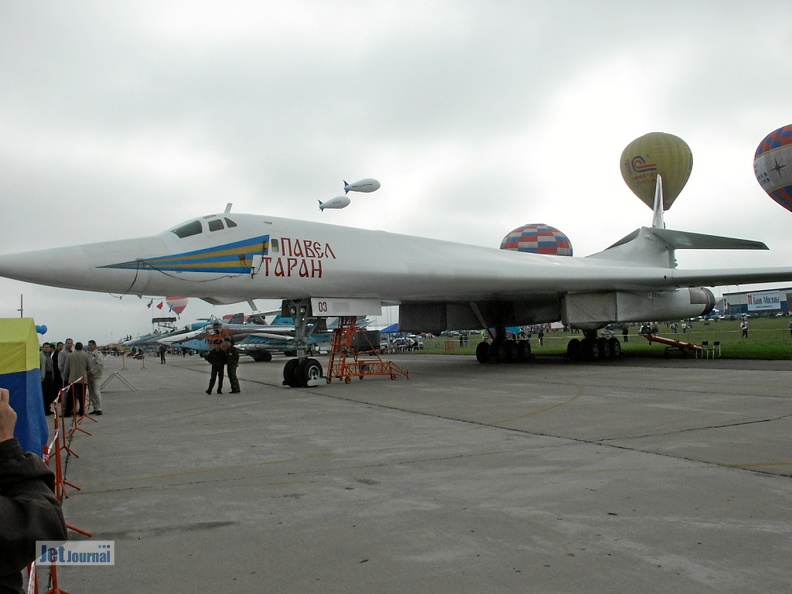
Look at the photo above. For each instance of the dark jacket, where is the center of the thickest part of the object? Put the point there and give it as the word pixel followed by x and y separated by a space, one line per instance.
pixel 29 512
pixel 217 357
pixel 232 356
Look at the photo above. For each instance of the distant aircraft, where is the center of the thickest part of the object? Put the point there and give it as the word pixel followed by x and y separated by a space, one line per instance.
pixel 280 337
pixel 256 338
pixel 328 270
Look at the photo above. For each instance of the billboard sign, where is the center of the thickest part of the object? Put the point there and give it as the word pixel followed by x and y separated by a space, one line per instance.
pixel 764 301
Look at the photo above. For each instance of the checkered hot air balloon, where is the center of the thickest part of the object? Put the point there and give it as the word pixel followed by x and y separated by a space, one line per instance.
pixel 538 239
pixel 773 165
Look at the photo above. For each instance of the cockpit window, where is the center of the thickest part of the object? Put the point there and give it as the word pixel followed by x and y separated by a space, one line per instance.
pixel 216 225
pixel 188 229
pixel 230 223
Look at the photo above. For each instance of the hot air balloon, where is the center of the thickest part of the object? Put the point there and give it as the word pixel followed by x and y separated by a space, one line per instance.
pixel 652 154
pixel 177 304
pixel 538 239
pixel 773 165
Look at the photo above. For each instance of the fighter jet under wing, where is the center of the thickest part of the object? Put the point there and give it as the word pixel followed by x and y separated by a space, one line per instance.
pixel 329 270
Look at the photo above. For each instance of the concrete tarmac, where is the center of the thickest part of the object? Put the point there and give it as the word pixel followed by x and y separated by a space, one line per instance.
pixel 624 476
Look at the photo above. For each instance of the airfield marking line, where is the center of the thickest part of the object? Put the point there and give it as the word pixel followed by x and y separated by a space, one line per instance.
pixel 702 428
pixel 750 465
pixel 580 392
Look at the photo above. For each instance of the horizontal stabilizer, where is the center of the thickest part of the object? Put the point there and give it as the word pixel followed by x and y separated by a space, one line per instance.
pixel 683 240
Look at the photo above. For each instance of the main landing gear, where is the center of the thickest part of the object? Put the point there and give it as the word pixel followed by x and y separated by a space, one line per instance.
pixel 504 351
pixel 593 348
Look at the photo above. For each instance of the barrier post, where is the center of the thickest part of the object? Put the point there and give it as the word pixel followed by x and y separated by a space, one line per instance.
pixel 55 588
pixel 85 403
pixel 60 479
pixel 75 419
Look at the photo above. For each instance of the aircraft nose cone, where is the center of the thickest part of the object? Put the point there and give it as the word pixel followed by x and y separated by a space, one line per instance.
pixel 82 267
pixel 29 266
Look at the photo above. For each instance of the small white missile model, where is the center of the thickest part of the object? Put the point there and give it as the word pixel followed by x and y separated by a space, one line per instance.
pixel 364 185
pixel 335 203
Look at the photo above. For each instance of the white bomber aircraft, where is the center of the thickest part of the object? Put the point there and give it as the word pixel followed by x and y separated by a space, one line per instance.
pixel 328 270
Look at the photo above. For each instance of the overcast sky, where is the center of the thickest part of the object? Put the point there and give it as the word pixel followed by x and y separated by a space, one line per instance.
pixel 120 120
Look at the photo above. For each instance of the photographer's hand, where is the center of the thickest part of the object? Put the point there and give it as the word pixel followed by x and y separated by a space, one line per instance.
pixel 7 416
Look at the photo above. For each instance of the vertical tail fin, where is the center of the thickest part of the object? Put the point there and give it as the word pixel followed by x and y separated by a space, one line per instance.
pixel 657 217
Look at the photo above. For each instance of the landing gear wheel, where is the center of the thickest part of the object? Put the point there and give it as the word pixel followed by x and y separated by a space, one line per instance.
pixel 591 349
pixel 262 357
pixel 574 350
pixel 510 348
pixel 309 370
pixel 523 350
pixel 482 352
pixel 498 352
pixel 615 347
pixel 604 346
pixel 290 373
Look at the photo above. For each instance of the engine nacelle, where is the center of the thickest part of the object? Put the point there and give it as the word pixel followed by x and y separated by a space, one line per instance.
pixel 590 311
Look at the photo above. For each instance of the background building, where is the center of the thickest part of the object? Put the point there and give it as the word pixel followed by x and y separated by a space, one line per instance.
pixel 756 303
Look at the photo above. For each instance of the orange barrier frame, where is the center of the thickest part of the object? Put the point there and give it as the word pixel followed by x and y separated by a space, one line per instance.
pixel 61 442
pixel 671 343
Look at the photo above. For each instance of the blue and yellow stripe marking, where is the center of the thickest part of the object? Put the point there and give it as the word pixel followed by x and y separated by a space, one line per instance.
pixel 231 258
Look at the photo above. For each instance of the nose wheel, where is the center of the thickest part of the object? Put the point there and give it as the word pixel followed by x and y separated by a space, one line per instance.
pixel 307 373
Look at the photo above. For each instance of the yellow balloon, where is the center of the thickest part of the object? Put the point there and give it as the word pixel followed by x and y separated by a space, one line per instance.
pixel 652 154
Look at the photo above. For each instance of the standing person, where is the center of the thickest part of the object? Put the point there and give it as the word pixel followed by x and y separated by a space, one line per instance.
pixel 232 362
pixel 49 389
pixel 64 354
pixel 28 506
pixel 216 334
pixel 75 370
pixel 95 370
pixel 162 350
pixel 217 358
pixel 744 328
pixel 55 354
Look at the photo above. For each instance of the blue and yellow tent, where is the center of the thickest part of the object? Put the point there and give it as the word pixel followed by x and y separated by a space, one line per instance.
pixel 21 376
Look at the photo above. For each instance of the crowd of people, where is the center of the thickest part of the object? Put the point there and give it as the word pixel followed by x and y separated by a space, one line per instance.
pixel 71 365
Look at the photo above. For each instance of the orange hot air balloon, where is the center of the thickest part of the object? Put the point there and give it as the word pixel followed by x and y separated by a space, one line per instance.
pixel 652 154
